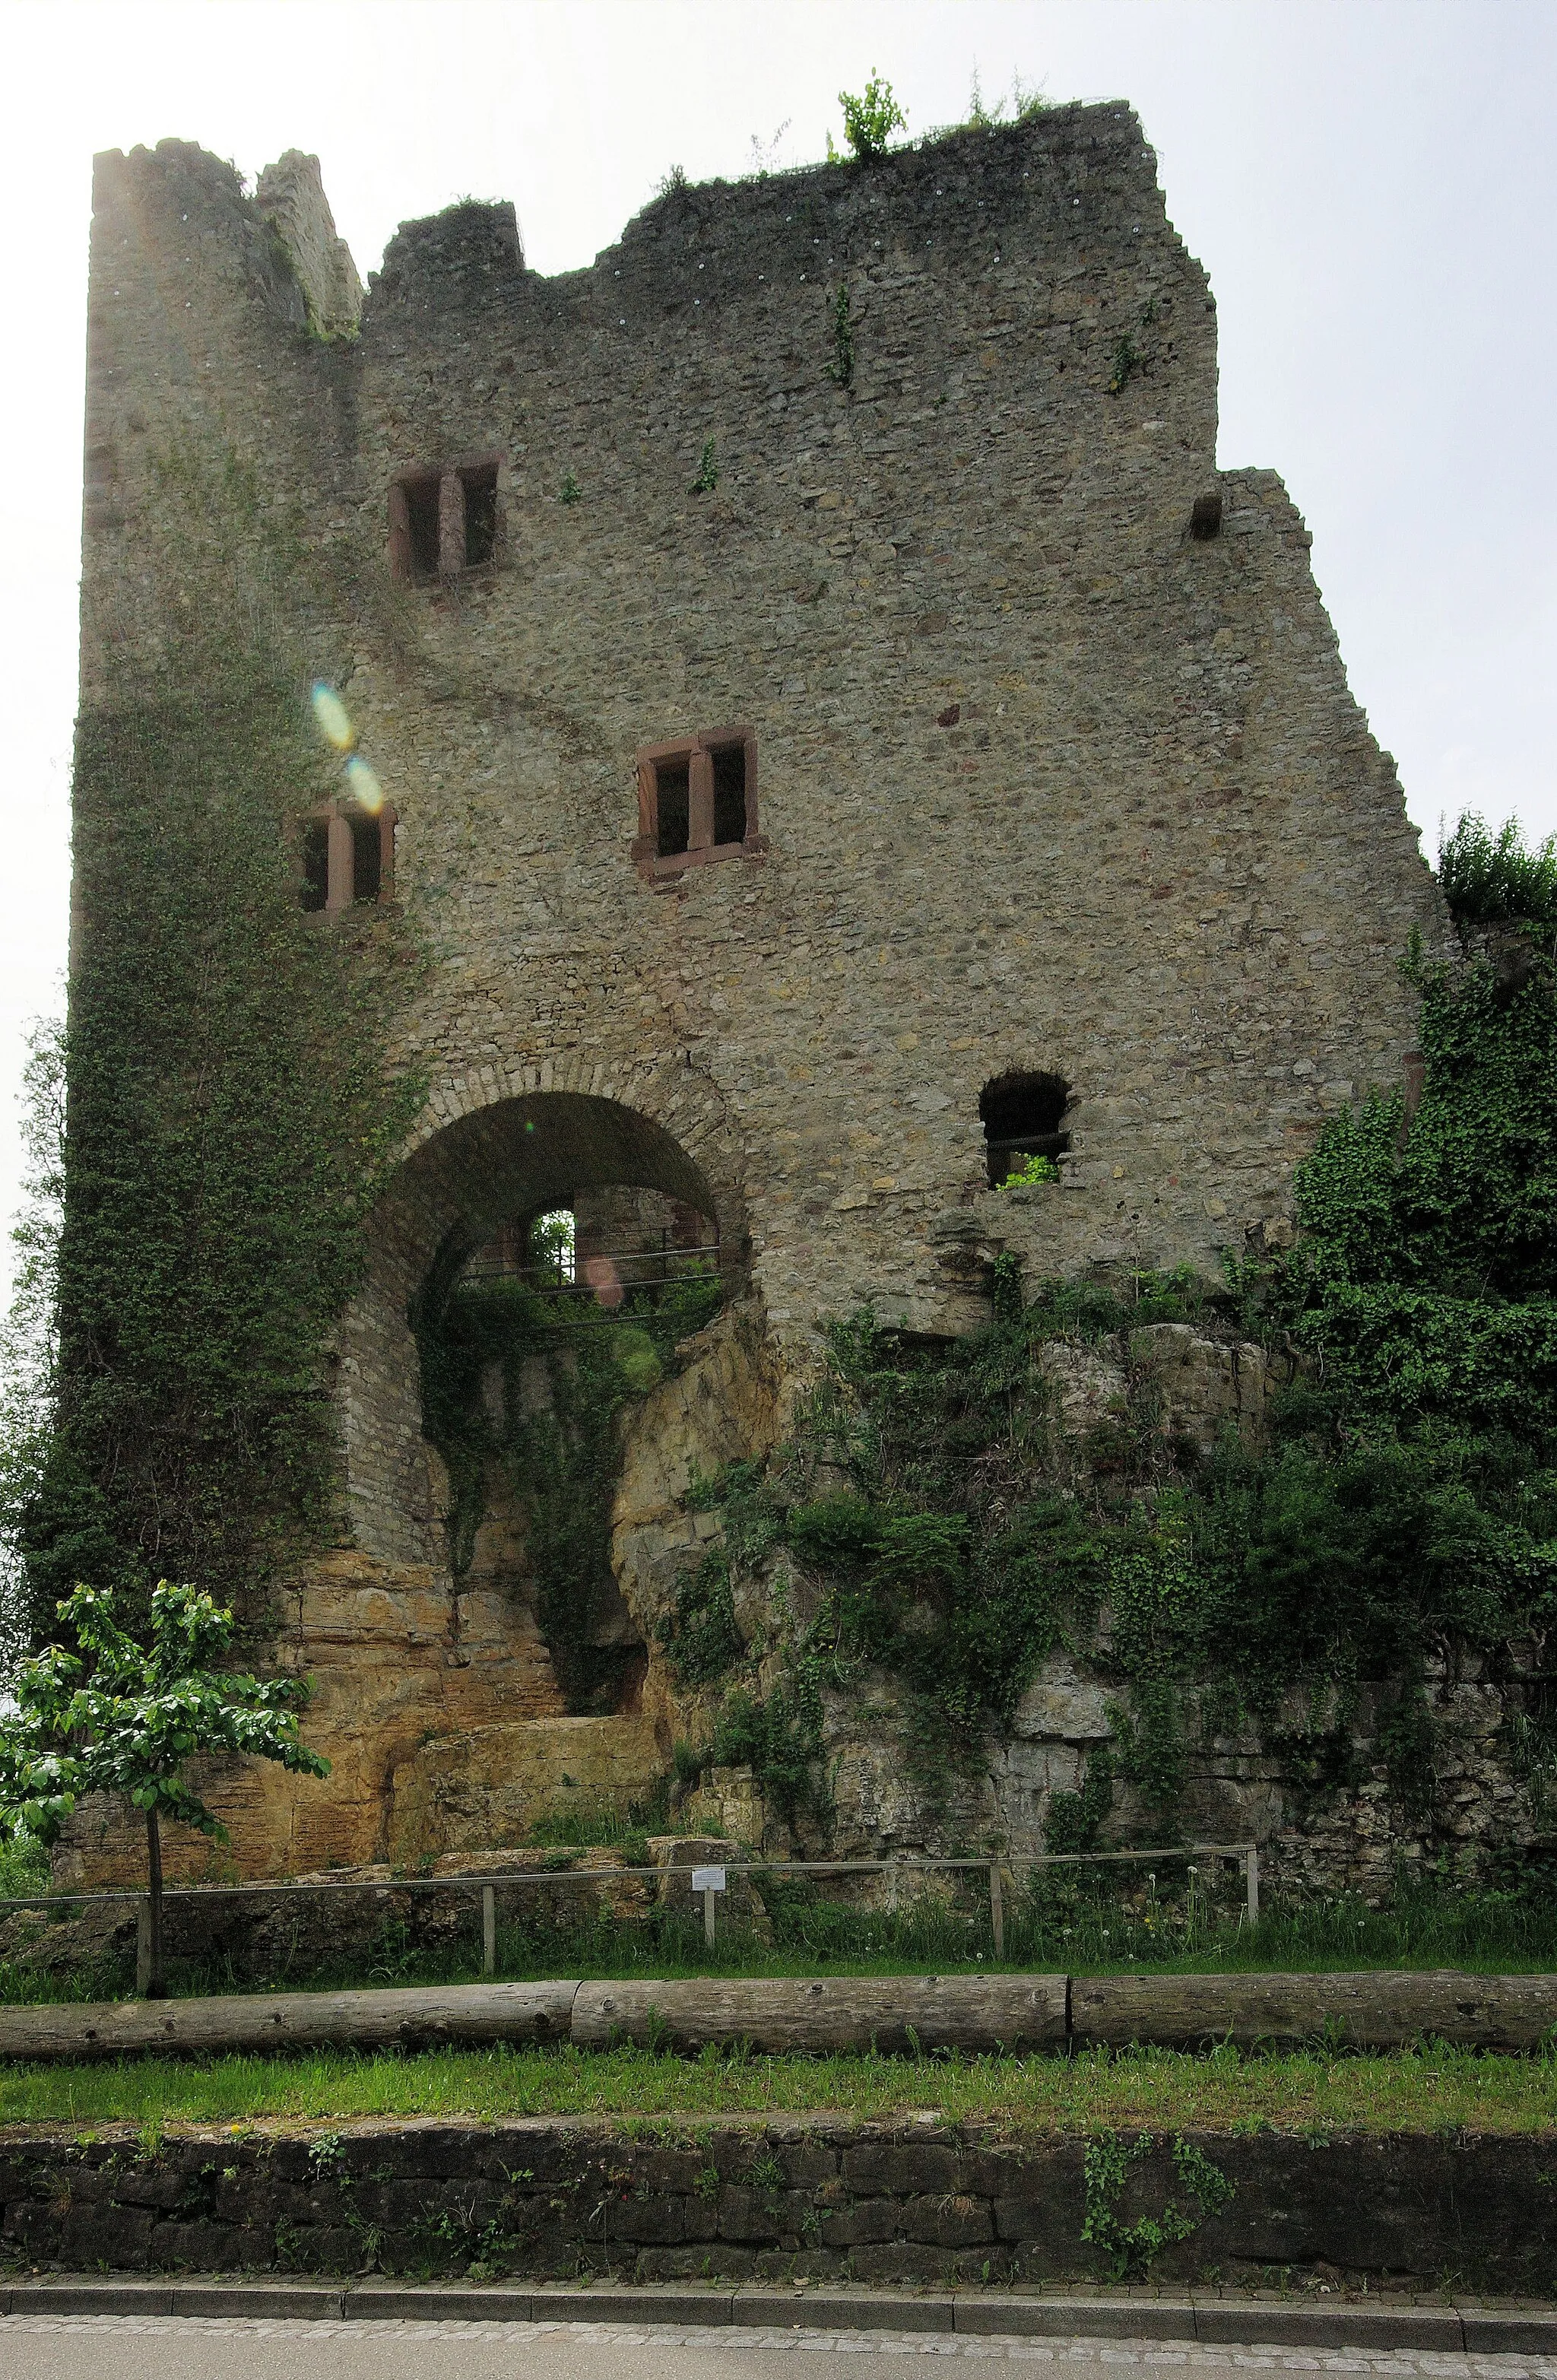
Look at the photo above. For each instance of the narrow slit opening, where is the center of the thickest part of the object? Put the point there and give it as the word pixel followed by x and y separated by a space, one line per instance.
pixel 729 794
pixel 672 780
pixel 314 892
pixel 366 857
pixel 421 520
pixel 480 516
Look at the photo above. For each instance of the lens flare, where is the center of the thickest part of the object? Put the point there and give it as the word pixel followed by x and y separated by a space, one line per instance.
pixel 604 1279
pixel 332 718
pixel 362 785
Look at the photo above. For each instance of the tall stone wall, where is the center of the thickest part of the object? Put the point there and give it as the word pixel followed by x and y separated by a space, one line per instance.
pixel 1047 780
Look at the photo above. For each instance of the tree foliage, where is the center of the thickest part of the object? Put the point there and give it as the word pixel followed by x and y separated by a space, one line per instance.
pixel 107 1714
pixel 104 1713
pixel 1495 877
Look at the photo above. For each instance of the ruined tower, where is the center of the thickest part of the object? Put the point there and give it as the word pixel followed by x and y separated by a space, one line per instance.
pixel 832 729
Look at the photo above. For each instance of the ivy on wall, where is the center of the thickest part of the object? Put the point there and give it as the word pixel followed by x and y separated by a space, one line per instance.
pixel 560 1447
pixel 1404 1515
pixel 231 1106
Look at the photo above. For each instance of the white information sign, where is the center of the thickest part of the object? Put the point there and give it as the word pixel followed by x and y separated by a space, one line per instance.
pixel 708 1879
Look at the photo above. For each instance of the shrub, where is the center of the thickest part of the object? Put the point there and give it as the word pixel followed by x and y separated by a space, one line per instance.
pixel 870 118
pixel 1496 878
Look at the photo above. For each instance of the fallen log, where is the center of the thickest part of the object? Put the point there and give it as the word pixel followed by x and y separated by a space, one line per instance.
pixel 1375 2010
pixel 408 2018
pixel 779 2013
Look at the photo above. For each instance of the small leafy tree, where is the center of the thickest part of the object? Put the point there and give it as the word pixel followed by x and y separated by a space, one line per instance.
pixel 870 118
pixel 1496 877
pixel 118 1717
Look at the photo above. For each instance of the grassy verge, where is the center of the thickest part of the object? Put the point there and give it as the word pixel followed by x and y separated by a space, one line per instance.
pixel 1313 2093
pixel 1076 1930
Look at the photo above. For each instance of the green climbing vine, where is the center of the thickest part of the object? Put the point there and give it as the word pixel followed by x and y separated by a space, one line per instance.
pixel 1132 2249
pixel 569 1373
pixel 231 1102
pixel 1402 1519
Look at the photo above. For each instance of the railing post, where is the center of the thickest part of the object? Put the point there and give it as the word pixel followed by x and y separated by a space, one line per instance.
pixel 709 1897
pixel 996 1910
pixel 142 1946
pixel 1251 1882
pixel 488 1930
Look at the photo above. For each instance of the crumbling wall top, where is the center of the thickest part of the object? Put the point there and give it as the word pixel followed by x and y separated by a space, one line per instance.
pixel 291 196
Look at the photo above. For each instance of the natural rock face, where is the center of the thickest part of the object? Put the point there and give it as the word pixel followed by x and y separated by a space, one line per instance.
pixel 1208 1386
pixel 491 1785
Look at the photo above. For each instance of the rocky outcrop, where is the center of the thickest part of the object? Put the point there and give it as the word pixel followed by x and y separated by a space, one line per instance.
pixel 494 1784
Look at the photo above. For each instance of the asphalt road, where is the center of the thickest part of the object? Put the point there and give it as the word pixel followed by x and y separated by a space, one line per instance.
pixel 157 2346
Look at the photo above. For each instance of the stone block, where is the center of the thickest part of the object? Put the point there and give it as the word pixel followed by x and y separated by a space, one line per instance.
pixel 628 2304
pixel 104 2234
pixel 258 2301
pixel 866 2224
pixel 656 2222
pixel 67 2294
pixel 839 2309
pixel 947 2222
pixel 900 2168
pixel 1299 2323
pixel 1509 2330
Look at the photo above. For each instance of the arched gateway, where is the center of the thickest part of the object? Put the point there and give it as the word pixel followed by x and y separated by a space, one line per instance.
pixel 515 1154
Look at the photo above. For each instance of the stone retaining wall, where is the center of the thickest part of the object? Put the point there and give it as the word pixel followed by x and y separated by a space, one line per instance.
pixel 904 2203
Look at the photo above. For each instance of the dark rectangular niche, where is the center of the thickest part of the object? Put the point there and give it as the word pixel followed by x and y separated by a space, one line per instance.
pixel 421 523
pixel 729 794
pixel 480 515
pixel 366 857
pixel 673 804
pixel 316 864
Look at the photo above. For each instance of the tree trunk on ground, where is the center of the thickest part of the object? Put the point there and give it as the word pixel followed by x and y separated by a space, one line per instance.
pixel 156 1988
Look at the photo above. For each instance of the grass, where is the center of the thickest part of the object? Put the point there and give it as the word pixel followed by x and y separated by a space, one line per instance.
pixel 1080 1926
pixel 1313 2092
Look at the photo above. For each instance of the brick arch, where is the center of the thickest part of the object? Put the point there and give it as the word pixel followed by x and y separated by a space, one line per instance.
pixel 488 1144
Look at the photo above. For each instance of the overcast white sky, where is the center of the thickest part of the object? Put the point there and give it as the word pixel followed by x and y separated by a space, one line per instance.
pixel 1372 185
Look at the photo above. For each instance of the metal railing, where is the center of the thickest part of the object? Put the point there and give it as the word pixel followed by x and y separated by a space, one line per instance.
pixel 550 1282
pixel 1247 1855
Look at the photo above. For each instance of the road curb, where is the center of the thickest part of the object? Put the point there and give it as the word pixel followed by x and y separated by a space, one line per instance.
pixel 1194 2319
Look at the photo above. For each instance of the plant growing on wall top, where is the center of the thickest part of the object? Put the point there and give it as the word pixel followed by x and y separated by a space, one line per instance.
pixel 870 118
pixel 114 1716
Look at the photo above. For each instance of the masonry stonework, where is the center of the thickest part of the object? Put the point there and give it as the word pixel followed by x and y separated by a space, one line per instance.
pixel 1059 769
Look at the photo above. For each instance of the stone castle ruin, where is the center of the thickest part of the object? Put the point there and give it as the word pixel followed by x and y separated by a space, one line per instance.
pixel 840 736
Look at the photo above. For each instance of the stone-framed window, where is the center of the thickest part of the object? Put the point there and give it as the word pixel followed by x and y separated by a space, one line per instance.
pixel 698 802
pixel 445 518
pixel 1024 1116
pixel 347 855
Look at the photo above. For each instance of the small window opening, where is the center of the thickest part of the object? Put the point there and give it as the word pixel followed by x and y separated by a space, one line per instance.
pixel 421 520
pixel 1022 1116
pixel 367 861
pixel 672 780
pixel 316 864
pixel 480 515
pixel 729 794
